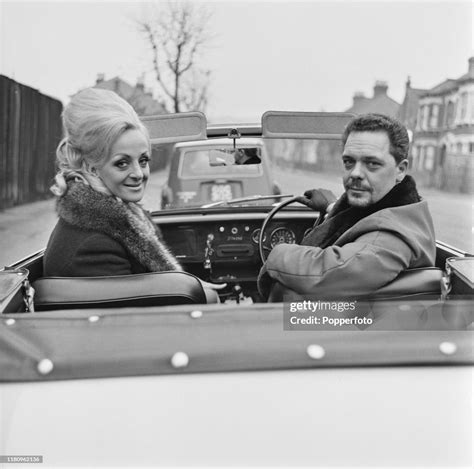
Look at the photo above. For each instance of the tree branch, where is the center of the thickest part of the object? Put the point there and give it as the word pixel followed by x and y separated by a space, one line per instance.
pixel 177 38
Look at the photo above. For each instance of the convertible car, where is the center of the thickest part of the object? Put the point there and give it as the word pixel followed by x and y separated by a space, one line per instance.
pixel 139 371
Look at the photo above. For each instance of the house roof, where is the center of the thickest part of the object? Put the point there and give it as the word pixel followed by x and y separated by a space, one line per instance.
pixel 117 84
pixel 381 104
pixel 143 102
pixel 451 84
pixel 409 108
pixel 442 88
pixel 470 74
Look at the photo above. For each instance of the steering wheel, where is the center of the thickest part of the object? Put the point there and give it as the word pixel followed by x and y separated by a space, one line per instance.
pixel 269 217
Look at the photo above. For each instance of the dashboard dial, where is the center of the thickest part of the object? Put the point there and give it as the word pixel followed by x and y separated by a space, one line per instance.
pixel 256 234
pixel 282 235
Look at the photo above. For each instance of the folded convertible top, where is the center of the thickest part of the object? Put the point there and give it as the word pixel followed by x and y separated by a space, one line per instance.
pixel 205 338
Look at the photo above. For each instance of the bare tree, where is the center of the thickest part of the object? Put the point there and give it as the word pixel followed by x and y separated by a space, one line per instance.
pixel 177 33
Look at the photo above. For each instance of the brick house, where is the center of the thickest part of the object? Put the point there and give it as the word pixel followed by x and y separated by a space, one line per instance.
pixel 380 102
pixel 443 134
pixel 141 99
pixel 408 112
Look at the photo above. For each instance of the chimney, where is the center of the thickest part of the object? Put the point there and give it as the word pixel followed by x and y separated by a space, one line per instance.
pixel 471 65
pixel 100 78
pixel 408 83
pixel 358 97
pixel 380 88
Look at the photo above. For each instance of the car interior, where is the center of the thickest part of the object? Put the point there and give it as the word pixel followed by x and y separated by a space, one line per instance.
pixel 222 242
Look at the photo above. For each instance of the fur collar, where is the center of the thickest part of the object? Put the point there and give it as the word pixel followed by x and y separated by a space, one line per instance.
pixel 343 216
pixel 127 223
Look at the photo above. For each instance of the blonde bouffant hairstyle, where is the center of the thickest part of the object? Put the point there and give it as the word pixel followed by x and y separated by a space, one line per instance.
pixel 92 121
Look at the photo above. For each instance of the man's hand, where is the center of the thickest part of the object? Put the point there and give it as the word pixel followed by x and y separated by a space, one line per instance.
pixel 317 199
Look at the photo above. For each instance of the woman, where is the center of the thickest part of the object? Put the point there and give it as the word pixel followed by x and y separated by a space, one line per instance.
pixel 103 171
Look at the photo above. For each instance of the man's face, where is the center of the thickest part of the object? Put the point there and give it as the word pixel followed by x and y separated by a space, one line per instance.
pixel 370 171
pixel 239 156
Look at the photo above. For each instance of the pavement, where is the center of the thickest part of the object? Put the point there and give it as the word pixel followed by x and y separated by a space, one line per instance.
pixel 452 213
pixel 26 228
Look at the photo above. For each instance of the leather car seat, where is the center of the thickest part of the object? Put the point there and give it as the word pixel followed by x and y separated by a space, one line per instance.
pixel 149 289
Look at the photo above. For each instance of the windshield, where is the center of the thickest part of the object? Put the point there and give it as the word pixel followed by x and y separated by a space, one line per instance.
pixel 213 162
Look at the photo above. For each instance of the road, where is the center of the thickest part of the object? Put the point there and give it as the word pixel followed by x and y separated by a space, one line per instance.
pixel 26 228
pixel 452 213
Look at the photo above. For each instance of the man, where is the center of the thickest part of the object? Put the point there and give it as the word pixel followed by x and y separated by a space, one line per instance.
pixel 246 156
pixel 377 229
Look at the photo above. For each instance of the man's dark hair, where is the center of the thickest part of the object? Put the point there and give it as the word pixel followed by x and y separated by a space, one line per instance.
pixel 250 152
pixel 396 131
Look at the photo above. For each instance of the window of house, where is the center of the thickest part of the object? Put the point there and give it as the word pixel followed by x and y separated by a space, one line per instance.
pixel 424 124
pixel 442 156
pixel 418 118
pixel 471 102
pixel 463 106
pixel 421 117
pixel 471 147
pixel 414 157
pixel 451 113
pixel 434 116
pixel 429 158
pixel 421 157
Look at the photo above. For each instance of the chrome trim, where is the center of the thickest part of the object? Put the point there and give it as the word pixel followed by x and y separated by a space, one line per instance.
pixel 451 249
pixel 25 260
pixel 185 219
pixel 224 142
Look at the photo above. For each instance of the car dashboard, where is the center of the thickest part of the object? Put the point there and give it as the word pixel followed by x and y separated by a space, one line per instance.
pixel 222 246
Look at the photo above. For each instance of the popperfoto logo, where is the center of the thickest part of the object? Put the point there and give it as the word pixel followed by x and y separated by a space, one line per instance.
pixel 426 314
pixel 324 315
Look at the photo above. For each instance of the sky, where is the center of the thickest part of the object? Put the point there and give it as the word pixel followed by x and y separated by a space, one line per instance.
pixel 280 55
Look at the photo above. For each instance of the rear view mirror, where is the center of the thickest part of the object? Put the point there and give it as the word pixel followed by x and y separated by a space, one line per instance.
pixel 322 125
pixel 239 156
pixel 171 128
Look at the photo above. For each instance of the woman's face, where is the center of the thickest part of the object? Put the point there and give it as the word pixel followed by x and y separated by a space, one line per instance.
pixel 126 171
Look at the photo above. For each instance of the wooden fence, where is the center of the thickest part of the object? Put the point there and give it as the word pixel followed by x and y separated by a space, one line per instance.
pixel 30 130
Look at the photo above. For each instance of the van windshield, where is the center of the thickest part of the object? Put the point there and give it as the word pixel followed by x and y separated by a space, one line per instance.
pixel 212 162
